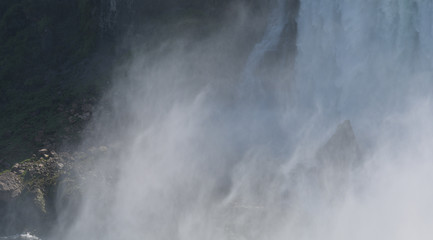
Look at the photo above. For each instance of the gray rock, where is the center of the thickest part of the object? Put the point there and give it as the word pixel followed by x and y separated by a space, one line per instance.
pixel 10 186
pixel 43 151
pixel 342 149
pixel 337 160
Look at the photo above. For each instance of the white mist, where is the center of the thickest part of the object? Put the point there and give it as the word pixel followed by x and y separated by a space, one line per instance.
pixel 197 160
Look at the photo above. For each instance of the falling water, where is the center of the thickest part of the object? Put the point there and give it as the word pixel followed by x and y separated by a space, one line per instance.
pixel 24 236
pixel 361 55
pixel 252 86
pixel 189 167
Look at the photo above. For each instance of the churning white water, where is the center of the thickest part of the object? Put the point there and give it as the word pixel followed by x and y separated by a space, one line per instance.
pixel 21 237
pixel 192 163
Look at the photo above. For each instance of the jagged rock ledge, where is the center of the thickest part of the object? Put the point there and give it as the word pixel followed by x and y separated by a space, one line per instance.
pixel 29 191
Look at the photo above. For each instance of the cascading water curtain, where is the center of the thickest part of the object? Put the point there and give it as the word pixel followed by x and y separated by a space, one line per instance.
pixel 358 55
pixel 187 166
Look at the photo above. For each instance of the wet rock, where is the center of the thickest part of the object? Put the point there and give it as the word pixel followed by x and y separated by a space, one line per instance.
pixel 36 176
pixel 87 108
pixel 11 186
pixel 43 151
pixel 40 200
pixel 337 160
pixel 72 119
pixel 37 186
pixel 15 167
pixel 60 165
pixel 341 149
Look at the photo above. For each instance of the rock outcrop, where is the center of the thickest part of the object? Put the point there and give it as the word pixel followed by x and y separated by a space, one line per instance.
pixel 10 186
pixel 32 191
pixel 337 160
pixel 36 177
pixel 341 149
pixel 27 192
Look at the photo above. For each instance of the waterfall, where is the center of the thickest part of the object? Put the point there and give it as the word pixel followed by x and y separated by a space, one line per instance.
pixel 24 236
pixel 370 62
pixel 252 84
pixel 355 56
pixel 184 167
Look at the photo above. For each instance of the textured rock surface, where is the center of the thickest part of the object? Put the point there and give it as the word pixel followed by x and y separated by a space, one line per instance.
pixel 10 186
pixel 33 190
pixel 33 177
pixel 27 192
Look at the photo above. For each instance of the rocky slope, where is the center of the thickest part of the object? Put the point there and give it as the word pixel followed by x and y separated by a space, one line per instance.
pixel 32 191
